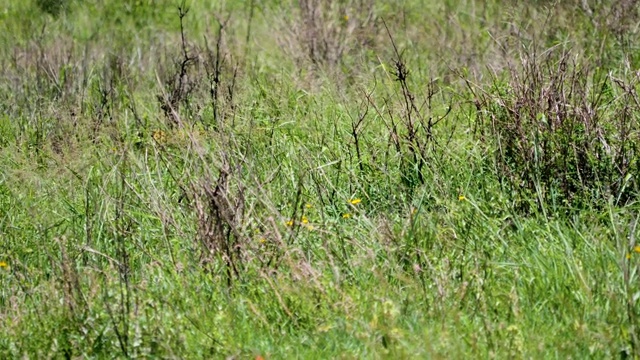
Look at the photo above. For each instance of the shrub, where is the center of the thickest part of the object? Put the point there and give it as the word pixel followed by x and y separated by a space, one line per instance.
pixel 562 132
pixel 52 7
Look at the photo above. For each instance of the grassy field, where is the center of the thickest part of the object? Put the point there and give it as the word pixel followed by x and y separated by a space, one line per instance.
pixel 319 179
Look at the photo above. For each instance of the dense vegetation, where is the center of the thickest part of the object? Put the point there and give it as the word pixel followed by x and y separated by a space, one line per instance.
pixel 319 179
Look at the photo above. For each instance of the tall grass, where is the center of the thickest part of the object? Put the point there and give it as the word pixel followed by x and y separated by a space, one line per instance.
pixel 318 179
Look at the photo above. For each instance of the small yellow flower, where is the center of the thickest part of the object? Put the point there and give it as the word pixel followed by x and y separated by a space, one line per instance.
pixel 305 220
pixel 308 206
pixel 346 216
pixel 262 240
pixel 636 249
pixel 462 198
pixel 628 256
pixel 3 264
pixel 355 201
pixel 346 18
pixel 159 136
pixel 289 223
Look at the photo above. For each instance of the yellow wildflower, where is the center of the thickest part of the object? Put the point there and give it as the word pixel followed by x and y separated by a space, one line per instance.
pixel 262 240
pixel 289 223
pixel 636 249
pixel 355 201
pixel 462 198
pixel 3 264
pixel 308 206
pixel 346 18
pixel 346 216
pixel 159 136
pixel 628 256
pixel 304 220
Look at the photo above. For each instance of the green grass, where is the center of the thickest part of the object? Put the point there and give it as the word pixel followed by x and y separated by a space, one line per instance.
pixel 309 210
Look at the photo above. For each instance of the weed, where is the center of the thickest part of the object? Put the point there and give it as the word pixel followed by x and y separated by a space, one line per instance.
pixel 562 132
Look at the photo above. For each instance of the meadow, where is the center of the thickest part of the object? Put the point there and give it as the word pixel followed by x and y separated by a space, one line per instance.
pixel 353 179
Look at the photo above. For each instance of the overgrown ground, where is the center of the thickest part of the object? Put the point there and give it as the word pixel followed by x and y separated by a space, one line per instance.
pixel 319 179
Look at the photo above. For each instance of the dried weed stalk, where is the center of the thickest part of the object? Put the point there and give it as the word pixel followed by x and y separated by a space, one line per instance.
pixel 200 72
pixel 564 132
pixel 322 32
pixel 411 130
pixel 181 83
pixel 219 208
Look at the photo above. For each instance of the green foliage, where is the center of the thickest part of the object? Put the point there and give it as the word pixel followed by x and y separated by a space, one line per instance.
pixel 52 7
pixel 246 179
